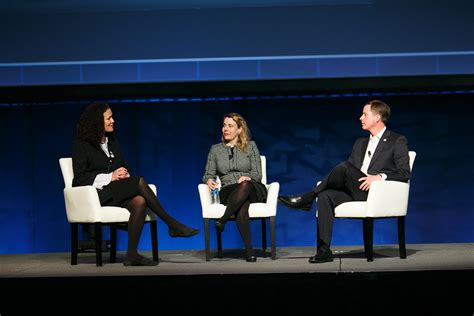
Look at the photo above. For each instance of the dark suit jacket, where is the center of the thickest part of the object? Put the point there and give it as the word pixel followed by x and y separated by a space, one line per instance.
pixel 88 161
pixel 390 156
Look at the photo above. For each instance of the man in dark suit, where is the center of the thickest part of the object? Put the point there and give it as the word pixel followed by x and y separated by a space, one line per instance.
pixel 381 156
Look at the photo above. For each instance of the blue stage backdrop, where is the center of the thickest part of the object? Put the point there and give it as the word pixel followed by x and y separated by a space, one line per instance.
pixel 168 142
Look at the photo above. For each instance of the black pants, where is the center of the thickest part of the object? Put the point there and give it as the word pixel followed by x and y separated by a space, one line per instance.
pixel 340 186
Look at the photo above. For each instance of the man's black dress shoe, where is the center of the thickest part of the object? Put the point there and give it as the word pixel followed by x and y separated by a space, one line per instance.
pixel 251 259
pixel 323 255
pixel 138 261
pixel 185 232
pixel 295 202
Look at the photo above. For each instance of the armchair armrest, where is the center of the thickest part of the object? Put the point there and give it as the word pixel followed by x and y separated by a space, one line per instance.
pixel 204 195
pixel 81 204
pixel 387 197
pixel 272 197
pixel 152 187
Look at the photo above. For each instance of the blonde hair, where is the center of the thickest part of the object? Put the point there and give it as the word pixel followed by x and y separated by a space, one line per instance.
pixel 244 137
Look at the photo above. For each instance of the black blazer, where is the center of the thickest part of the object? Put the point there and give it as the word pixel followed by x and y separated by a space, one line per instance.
pixel 390 156
pixel 88 161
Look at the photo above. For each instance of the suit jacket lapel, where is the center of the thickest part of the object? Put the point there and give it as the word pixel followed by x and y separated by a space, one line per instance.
pixel 380 147
pixel 363 149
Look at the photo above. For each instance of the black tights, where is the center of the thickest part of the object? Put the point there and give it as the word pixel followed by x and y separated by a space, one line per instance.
pixel 238 204
pixel 137 207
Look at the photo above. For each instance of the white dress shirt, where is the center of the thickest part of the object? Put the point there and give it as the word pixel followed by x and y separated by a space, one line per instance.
pixel 369 153
pixel 103 179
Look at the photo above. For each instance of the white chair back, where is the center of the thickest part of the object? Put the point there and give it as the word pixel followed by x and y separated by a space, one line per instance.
pixel 264 169
pixel 67 171
pixel 412 155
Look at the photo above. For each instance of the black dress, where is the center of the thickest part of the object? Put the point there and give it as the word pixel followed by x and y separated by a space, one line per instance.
pixel 260 189
pixel 88 161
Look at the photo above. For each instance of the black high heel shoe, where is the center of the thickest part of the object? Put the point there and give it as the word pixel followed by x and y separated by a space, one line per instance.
pixel 185 232
pixel 219 226
pixel 250 255
pixel 138 261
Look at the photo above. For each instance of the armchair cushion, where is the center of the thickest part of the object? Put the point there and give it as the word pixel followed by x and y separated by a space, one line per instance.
pixel 351 209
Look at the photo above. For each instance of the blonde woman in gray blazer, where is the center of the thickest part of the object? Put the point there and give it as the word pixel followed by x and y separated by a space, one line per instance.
pixel 236 160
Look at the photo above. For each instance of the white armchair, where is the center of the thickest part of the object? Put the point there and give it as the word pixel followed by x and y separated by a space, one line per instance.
pixel 83 207
pixel 386 199
pixel 260 211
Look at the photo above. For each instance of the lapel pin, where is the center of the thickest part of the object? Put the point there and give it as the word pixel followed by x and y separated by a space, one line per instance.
pixel 384 139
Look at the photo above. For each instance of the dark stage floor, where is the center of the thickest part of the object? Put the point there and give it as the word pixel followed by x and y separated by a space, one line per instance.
pixel 434 279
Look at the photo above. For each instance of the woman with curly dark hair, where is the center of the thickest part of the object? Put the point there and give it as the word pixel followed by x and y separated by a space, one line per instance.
pixel 97 160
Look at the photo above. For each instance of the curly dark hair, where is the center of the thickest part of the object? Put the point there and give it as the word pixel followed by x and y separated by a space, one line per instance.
pixel 90 127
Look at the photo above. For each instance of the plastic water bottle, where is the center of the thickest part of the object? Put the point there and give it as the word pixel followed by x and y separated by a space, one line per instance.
pixel 215 195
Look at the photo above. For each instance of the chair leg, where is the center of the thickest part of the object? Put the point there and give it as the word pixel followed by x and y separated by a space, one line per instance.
pixel 365 236
pixel 401 237
pixel 318 242
pixel 219 245
pixel 154 241
pixel 113 243
pixel 207 239
pixel 98 244
pixel 264 237
pixel 272 236
pixel 369 223
pixel 74 243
